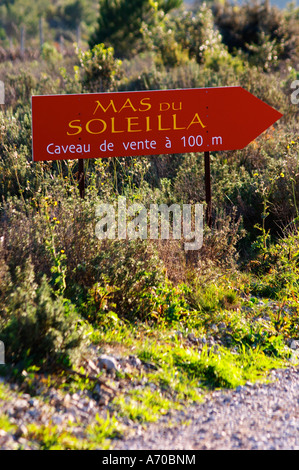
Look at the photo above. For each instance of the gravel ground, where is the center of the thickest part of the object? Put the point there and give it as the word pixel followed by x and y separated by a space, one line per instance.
pixel 255 416
pixel 252 417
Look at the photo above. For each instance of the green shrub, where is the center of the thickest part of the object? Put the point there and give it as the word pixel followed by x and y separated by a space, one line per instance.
pixel 24 79
pixel 37 327
pixel 278 268
pixel 160 38
pixel 50 54
pixel 209 297
pixel 257 29
pixel 130 270
pixel 120 23
pixel 188 184
pixel 100 69
pixel 196 33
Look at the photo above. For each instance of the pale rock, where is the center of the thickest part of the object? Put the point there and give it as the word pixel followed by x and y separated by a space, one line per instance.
pixel 92 367
pixel 135 361
pixel 179 334
pixel 294 344
pixel 57 420
pixel 192 338
pixel 108 363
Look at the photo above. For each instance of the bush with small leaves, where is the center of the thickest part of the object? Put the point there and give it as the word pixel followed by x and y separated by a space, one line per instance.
pixel 39 327
pixel 101 70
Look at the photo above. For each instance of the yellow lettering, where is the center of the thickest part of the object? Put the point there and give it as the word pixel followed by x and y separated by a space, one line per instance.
pixel 130 124
pixel 177 109
pixel 113 127
pixel 148 105
pixel 94 120
pixel 163 107
pixel 175 128
pixel 99 105
pixel 196 120
pixel 128 104
pixel 148 124
pixel 75 127
pixel 160 124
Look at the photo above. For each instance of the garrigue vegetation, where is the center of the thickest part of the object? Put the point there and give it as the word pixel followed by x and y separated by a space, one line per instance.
pixel 217 317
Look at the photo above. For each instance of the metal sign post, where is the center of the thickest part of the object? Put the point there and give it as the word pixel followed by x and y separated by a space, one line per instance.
pixel 2 93
pixel 81 178
pixel 208 188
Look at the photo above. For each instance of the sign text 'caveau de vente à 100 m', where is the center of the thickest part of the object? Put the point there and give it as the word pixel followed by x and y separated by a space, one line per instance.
pixel 146 122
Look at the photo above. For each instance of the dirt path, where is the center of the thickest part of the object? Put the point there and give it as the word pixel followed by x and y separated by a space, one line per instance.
pixel 260 416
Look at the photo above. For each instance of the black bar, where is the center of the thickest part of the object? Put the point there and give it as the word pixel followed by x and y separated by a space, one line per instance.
pixel 208 189
pixel 81 178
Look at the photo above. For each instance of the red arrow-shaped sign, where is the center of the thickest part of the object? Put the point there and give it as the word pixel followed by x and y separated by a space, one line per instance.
pixel 146 122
